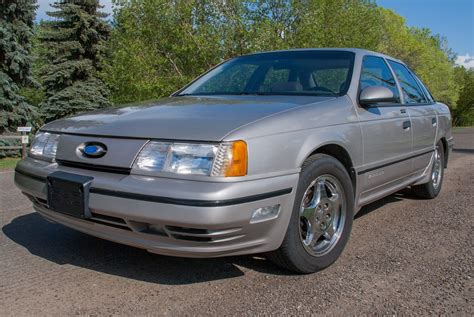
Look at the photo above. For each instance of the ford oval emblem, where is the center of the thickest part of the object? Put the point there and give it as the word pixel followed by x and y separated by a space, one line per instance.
pixel 93 149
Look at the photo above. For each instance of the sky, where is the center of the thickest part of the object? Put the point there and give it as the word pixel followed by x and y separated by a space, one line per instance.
pixel 453 19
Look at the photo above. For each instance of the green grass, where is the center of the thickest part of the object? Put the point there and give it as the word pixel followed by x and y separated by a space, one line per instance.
pixel 8 163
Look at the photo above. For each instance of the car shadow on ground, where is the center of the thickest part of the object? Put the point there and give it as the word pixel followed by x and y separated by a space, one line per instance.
pixel 65 246
pixel 399 196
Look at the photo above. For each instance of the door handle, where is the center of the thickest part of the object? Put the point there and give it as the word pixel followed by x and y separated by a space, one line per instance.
pixel 406 125
pixel 403 111
pixel 434 122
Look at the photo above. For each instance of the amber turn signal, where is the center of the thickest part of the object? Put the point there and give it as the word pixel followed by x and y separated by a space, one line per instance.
pixel 238 161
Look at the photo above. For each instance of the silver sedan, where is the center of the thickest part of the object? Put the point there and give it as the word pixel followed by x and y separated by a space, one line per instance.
pixel 268 153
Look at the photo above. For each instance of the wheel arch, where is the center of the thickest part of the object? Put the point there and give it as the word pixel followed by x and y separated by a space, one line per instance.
pixel 445 150
pixel 339 153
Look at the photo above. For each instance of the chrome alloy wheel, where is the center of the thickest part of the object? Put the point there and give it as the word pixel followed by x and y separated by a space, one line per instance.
pixel 437 169
pixel 322 215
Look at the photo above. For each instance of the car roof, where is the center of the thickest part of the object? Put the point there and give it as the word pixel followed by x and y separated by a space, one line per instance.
pixel 358 51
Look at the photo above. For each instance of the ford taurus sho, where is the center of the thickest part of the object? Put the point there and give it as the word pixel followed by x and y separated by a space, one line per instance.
pixel 270 153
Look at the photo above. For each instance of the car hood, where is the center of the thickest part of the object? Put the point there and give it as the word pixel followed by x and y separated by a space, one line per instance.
pixel 180 118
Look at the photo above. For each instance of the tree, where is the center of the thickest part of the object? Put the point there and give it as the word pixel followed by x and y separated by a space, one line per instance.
pixel 34 95
pixel 337 23
pixel 463 114
pixel 423 52
pixel 158 46
pixel 73 50
pixel 16 31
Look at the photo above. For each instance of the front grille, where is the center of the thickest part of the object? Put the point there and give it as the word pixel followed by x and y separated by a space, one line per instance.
pixel 38 201
pixel 110 221
pixel 108 218
pixel 100 168
pixel 105 220
pixel 174 232
pixel 203 235
pixel 108 224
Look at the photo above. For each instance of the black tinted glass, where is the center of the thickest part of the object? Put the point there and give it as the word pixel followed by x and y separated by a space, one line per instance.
pixel 375 72
pixel 425 90
pixel 411 90
pixel 279 73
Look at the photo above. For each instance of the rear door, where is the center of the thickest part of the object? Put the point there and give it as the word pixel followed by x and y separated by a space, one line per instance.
pixel 422 114
pixel 386 130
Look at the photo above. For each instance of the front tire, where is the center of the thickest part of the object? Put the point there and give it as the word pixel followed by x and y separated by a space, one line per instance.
pixel 431 189
pixel 321 219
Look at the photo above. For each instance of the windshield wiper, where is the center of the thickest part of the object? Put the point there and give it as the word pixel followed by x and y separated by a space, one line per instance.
pixel 256 93
pixel 312 94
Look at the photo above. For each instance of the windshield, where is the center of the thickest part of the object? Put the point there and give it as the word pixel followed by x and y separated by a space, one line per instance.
pixel 306 73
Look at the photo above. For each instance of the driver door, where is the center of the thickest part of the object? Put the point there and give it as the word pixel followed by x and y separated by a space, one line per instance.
pixel 386 131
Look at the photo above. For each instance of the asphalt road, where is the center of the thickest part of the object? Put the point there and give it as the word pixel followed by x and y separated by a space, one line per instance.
pixel 405 256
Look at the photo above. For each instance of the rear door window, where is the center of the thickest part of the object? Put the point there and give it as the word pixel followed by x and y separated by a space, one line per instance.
pixel 412 92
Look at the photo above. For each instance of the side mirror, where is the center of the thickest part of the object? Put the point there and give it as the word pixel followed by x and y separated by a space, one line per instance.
pixel 376 94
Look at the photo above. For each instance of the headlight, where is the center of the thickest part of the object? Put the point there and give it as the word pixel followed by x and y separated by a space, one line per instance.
pixel 225 159
pixel 44 146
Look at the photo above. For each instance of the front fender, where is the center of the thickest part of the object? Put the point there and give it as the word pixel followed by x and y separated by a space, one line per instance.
pixel 284 153
pixel 280 144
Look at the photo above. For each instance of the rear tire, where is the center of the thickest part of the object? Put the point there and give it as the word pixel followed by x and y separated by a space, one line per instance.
pixel 431 189
pixel 321 219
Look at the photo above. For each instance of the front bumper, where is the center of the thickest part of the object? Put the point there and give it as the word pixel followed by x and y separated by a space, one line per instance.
pixel 171 216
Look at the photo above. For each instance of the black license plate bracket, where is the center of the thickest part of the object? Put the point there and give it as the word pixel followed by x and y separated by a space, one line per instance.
pixel 69 194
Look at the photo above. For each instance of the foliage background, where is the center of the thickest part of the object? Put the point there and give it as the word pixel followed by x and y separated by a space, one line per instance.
pixel 72 47
pixel 158 45
pixel 16 25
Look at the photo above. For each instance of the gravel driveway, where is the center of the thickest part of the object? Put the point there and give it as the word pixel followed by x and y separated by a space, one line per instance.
pixel 405 256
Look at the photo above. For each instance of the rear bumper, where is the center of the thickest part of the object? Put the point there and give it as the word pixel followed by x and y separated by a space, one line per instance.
pixel 171 216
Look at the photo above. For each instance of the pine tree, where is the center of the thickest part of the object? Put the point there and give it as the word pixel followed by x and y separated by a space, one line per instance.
pixel 16 31
pixel 73 48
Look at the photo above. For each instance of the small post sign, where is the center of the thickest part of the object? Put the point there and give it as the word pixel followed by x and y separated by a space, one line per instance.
pixel 24 139
pixel 23 129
